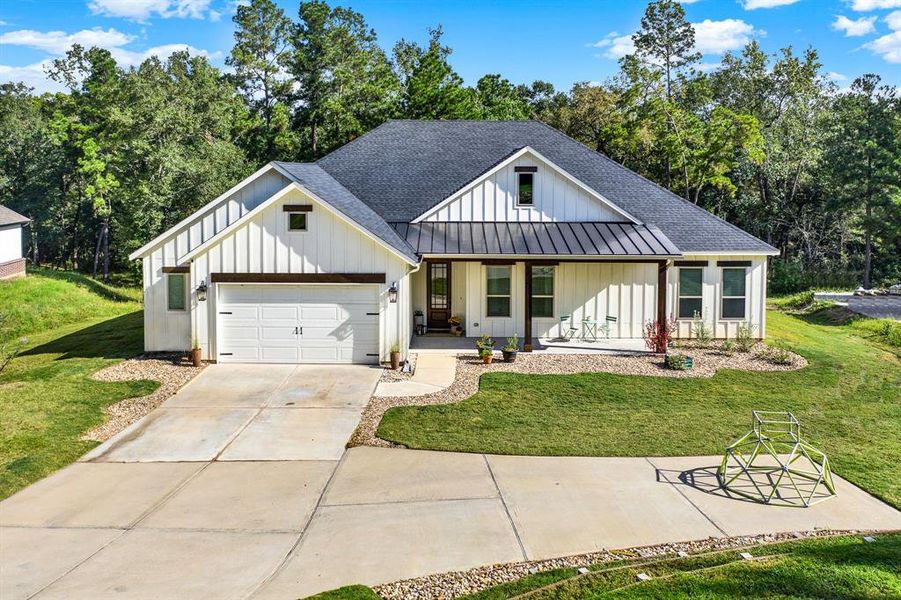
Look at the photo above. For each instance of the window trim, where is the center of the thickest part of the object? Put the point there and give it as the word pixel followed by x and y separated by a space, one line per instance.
pixel 534 176
pixel 679 295
pixel 184 277
pixel 724 297
pixel 306 221
pixel 508 295
pixel 552 295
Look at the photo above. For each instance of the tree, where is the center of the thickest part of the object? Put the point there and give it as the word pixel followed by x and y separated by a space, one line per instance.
pixel 261 51
pixel 666 39
pixel 431 88
pixel 864 154
pixel 499 100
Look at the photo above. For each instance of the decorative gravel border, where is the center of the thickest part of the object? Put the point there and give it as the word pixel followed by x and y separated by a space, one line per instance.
pixel 470 369
pixel 445 586
pixel 390 375
pixel 172 369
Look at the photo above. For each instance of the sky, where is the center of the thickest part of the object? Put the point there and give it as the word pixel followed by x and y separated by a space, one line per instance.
pixel 524 40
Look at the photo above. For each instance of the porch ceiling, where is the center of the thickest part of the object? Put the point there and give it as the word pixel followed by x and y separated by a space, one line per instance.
pixel 544 239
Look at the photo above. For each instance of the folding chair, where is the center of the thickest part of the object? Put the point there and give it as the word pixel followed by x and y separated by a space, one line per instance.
pixel 567 331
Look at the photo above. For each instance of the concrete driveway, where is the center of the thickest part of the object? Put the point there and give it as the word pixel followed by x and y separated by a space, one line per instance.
pixel 238 487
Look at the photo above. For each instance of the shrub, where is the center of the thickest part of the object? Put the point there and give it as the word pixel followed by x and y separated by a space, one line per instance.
pixel 484 342
pixel 777 355
pixel 886 331
pixel 744 337
pixel 728 347
pixel 512 344
pixel 657 335
pixel 703 332
pixel 797 301
pixel 675 361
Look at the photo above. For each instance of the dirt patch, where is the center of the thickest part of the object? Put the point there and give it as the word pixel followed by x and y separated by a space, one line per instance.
pixel 172 370
pixel 470 369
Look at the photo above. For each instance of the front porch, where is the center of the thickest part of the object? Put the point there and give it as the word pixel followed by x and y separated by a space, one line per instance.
pixel 445 343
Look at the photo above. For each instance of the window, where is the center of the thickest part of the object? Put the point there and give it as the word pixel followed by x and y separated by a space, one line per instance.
pixel 524 196
pixel 498 291
pixel 690 292
pixel 177 298
pixel 542 292
pixel 733 294
pixel 297 221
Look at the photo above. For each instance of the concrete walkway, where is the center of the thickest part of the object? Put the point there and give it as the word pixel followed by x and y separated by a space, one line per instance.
pixel 234 489
pixel 434 372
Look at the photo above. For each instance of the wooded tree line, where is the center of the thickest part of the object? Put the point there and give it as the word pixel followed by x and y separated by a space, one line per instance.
pixel 764 141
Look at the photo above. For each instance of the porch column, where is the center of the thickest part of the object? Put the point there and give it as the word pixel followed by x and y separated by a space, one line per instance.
pixel 661 292
pixel 527 342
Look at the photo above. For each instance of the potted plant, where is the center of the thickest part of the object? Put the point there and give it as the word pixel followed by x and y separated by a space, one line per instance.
pixel 195 353
pixel 485 346
pixel 510 349
pixel 455 326
pixel 395 356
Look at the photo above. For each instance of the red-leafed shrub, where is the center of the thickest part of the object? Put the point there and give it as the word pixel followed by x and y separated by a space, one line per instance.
pixel 657 334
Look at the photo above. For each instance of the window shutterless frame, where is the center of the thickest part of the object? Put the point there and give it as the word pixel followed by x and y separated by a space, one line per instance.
pixel 690 292
pixel 733 293
pixel 543 292
pixel 498 283
pixel 525 188
pixel 297 221
pixel 176 292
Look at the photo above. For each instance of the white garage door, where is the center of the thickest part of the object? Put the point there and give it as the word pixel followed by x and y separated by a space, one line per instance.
pixel 298 323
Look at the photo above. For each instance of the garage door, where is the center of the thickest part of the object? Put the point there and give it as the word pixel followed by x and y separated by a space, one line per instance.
pixel 298 323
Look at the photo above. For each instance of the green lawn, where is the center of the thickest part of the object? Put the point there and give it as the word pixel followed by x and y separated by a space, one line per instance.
pixel 848 400
pixel 47 399
pixel 840 567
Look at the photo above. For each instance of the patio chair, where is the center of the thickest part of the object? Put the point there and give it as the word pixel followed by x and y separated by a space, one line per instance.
pixel 567 331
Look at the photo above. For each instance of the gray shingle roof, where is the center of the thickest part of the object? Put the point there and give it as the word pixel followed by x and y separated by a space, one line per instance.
pixel 568 239
pixel 403 168
pixel 324 185
pixel 10 217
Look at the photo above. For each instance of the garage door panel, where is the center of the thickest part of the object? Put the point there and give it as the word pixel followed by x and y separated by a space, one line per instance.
pixel 257 323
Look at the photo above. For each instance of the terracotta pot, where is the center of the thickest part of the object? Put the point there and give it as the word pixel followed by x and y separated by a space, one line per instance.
pixel 487 359
pixel 395 361
pixel 195 357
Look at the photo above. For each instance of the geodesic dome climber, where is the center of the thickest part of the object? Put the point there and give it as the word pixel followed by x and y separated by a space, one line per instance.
pixel 772 464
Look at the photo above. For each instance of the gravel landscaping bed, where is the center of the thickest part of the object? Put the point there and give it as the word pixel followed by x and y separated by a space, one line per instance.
pixel 390 375
pixel 171 369
pixel 470 368
pixel 445 586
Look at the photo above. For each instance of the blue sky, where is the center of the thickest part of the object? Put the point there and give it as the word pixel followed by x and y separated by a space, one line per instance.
pixel 524 40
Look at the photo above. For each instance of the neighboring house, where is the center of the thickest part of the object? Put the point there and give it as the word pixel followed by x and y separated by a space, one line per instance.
pixel 510 225
pixel 12 264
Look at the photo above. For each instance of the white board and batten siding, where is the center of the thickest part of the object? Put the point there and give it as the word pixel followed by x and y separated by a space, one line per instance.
pixel 10 243
pixel 171 330
pixel 556 198
pixel 711 301
pixel 263 244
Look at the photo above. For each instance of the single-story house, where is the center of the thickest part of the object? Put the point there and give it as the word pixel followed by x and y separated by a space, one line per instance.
pixel 507 225
pixel 12 263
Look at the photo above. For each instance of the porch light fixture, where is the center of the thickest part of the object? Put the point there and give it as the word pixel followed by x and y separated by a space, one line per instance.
pixel 392 293
pixel 201 291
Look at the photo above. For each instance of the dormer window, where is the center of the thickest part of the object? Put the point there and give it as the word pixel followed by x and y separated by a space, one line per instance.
pixel 525 185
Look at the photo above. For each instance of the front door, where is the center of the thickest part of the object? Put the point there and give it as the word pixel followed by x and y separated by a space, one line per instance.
pixel 439 281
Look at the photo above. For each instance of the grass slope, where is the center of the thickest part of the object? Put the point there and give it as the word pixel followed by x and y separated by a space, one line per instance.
pixel 47 398
pixel 847 399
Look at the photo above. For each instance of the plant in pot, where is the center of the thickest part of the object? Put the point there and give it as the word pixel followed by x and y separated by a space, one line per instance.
pixel 196 353
pixel 510 349
pixel 395 356
pixel 456 326
pixel 485 346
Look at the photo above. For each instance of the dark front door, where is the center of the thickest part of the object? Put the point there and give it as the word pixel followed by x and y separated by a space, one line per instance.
pixel 438 291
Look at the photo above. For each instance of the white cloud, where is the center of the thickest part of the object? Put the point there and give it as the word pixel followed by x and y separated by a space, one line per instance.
pixel 615 45
pixel 31 75
pixel 57 42
pixel 755 4
pixel 854 27
pixel 130 58
pixel 836 77
pixel 142 10
pixel 893 20
pixel 887 46
pixel 868 5
pixel 717 37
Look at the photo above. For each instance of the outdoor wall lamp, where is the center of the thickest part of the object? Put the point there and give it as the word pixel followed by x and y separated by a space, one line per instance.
pixel 392 293
pixel 201 291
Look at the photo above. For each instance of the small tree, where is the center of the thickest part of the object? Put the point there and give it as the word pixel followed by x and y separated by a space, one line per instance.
pixel 657 334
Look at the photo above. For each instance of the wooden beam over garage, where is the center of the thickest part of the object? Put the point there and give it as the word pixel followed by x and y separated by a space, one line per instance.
pixel 298 278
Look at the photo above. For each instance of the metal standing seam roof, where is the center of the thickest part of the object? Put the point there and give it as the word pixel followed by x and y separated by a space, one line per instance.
pixel 10 217
pixel 551 239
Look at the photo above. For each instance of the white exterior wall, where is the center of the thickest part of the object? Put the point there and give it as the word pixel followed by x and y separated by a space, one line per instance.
pixel 627 291
pixel 263 244
pixel 10 243
pixel 556 198
pixel 755 288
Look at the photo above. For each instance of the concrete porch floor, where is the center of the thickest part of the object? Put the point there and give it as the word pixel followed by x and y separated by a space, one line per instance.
pixel 431 343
